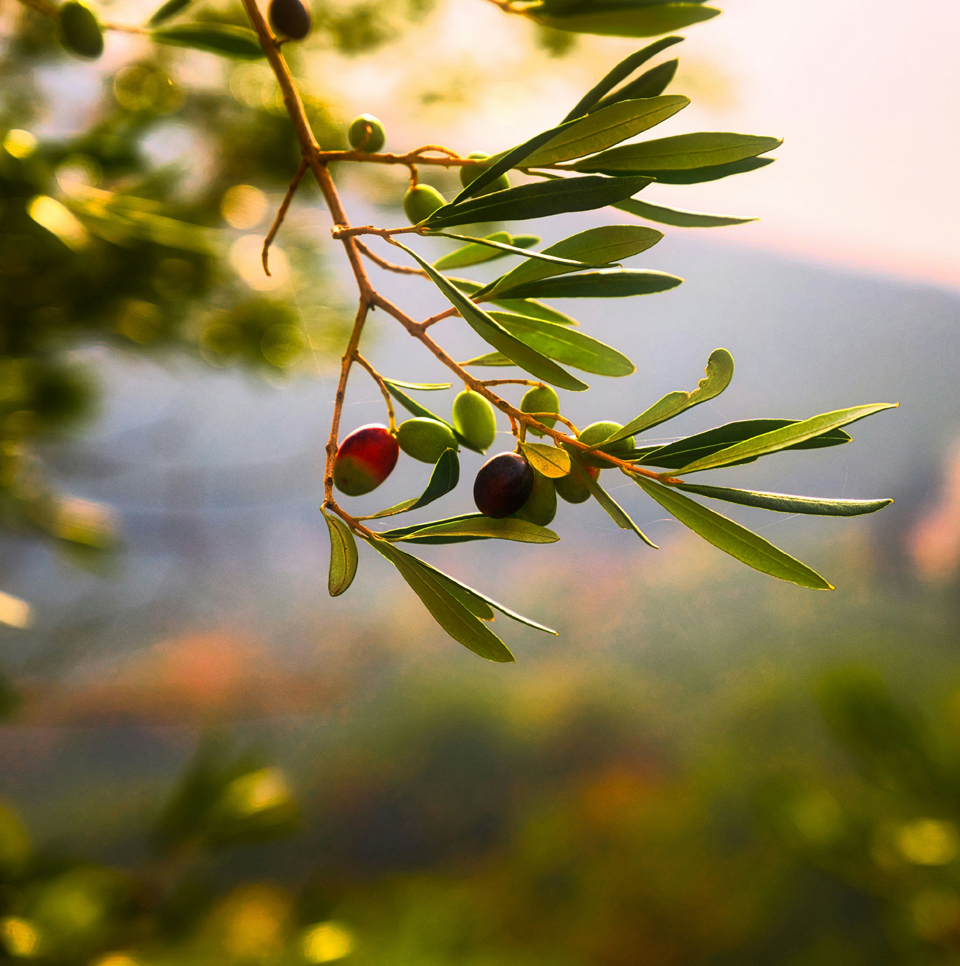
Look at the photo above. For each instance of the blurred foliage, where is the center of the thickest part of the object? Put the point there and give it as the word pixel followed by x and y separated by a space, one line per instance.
pixel 566 825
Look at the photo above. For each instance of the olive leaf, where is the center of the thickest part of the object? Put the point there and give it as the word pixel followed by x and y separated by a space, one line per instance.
pixel 529 307
pixel 443 479
pixel 489 359
pixel 651 83
pixel 747 546
pixel 680 152
pixel 343 555
pixel 420 386
pixel 610 505
pixel 622 19
pixel 495 335
pixel 719 373
pixel 482 527
pixel 238 43
pixel 168 10
pixel 563 264
pixel 619 73
pixel 595 246
pixel 782 438
pixel 712 172
pixel 476 253
pixel 445 608
pixel 608 283
pixel 550 461
pixel 787 503
pixel 678 217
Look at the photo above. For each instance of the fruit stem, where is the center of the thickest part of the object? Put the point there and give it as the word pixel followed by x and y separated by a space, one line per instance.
pixel 281 214
pixel 378 379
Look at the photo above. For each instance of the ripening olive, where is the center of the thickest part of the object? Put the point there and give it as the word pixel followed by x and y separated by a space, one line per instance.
pixel 470 173
pixel 541 505
pixel 571 487
pixel 290 18
pixel 541 399
pixel 365 459
pixel 474 419
pixel 80 29
pixel 421 201
pixel 503 485
pixel 597 432
pixel 366 133
pixel 425 439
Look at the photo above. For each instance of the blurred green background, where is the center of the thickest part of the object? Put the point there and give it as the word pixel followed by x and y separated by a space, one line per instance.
pixel 204 760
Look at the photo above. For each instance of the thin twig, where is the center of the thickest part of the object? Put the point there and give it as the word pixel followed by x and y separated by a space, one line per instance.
pixel 439 317
pixel 378 379
pixel 436 147
pixel 281 214
pixel 389 266
pixel 513 382
pixel 342 232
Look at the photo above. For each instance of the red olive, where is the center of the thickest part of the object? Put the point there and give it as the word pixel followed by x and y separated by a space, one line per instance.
pixel 365 459
pixel 503 485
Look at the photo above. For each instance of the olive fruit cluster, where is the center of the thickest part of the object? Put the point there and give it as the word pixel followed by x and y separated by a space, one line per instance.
pixel 290 18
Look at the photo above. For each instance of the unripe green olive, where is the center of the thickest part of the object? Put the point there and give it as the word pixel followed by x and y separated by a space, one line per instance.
pixel 572 487
pixel 366 133
pixel 470 173
pixel 290 18
pixel 541 505
pixel 474 419
pixel 540 399
pixel 420 202
pixel 80 29
pixel 425 439
pixel 596 433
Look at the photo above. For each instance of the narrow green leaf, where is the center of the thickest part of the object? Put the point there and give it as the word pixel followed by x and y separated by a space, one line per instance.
pixel 787 503
pixel 238 43
pixel 604 128
pixel 490 359
pixel 651 83
pixel 684 451
pixel 678 216
pixel 605 283
pixel 473 253
pixel 495 335
pixel 508 528
pixel 412 406
pixel 568 346
pixel 449 612
pixel 595 246
pixel 529 307
pixel 713 172
pixel 780 439
pixel 170 9
pixel 680 152
pixel 719 373
pixel 612 508
pixel 626 20
pixel 538 200
pixel 343 555
pixel 619 73
pixel 420 386
pixel 443 479
pixel 550 461
pixel 563 264
pixel 398 532
pixel 738 541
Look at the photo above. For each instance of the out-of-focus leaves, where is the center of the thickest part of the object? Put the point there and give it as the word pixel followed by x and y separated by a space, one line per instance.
pixel 167 11
pixel 611 283
pixel 603 128
pixel 493 333
pixel 787 436
pixel 787 503
pixel 680 152
pixel 595 246
pixel 343 555
pixel 719 373
pixel 237 43
pixel 619 73
pixel 445 477
pixel 14 845
pixel 538 200
pixel 623 19
pixel 678 217
pixel 738 541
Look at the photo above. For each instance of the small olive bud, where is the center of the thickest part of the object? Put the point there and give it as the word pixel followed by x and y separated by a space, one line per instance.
pixel 420 202
pixel 366 133
pixel 470 173
pixel 290 18
pixel 80 30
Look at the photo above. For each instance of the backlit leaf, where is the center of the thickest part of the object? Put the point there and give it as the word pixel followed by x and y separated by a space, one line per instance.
pixel 478 525
pixel 678 216
pixel 787 503
pixel 561 263
pixel 489 359
pixel 719 373
pixel 605 283
pixel 475 253
pixel 445 477
pixel 626 20
pixel 651 83
pixel 738 541
pixel 343 555
pixel 551 461
pixel 238 43
pixel 612 508
pixel 528 307
pixel 712 172
pixel 420 386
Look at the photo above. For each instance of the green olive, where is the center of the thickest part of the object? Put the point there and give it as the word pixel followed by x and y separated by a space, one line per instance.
pixel 80 29
pixel 366 133
pixel 540 399
pixel 474 419
pixel 541 505
pixel 597 433
pixel 572 487
pixel 420 202
pixel 425 439
pixel 470 173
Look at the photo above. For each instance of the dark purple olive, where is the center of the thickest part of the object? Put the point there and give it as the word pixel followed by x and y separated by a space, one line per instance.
pixel 503 485
pixel 290 18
